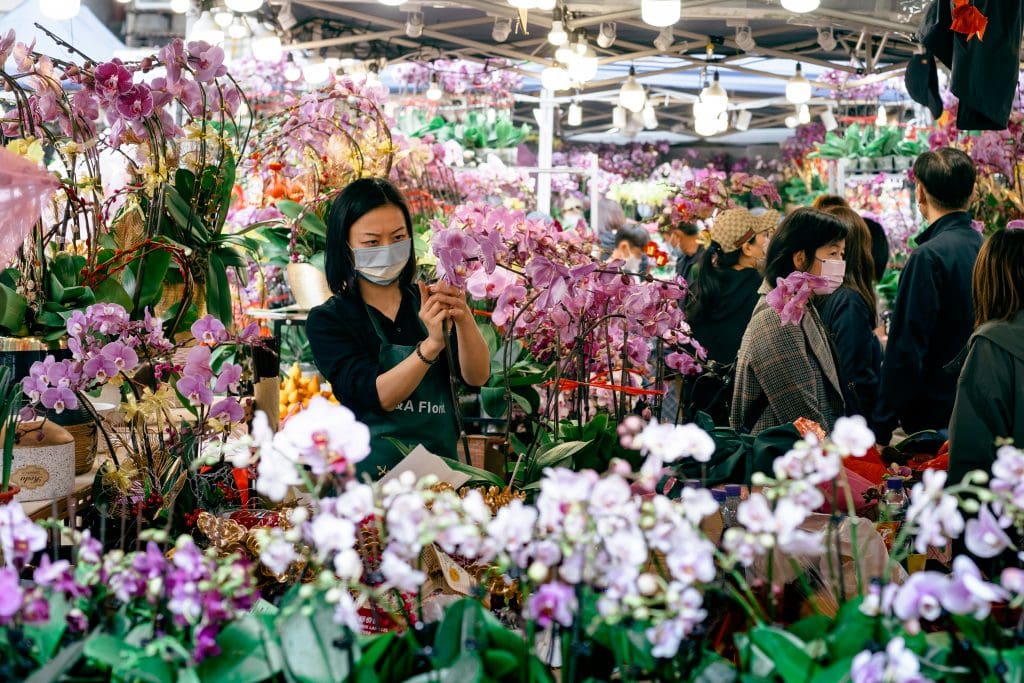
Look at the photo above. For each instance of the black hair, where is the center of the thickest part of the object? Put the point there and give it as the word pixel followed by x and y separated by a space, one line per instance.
pixel 948 177
pixel 803 231
pixel 637 237
pixel 879 247
pixel 706 286
pixel 359 198
pixel 687 228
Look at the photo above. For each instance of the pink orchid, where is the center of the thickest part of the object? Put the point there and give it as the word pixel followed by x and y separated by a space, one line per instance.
pixel 112 79
pixel 791 294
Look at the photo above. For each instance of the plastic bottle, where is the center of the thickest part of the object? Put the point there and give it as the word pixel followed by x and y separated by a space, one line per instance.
pixel 732 504
pixel 892 510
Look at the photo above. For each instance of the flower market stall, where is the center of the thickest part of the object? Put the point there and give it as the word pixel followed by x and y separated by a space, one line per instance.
pixel 238 260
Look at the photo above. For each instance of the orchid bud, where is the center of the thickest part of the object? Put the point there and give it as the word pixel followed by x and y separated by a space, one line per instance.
pixel 979 477
pixel 537 572
pixel 970 506
pixel 647 584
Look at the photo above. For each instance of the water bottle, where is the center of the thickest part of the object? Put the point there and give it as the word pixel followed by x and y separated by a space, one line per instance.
pixel 892 510
pixel 732 504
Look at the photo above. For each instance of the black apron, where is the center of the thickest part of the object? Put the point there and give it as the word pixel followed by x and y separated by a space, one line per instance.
pixel 426 417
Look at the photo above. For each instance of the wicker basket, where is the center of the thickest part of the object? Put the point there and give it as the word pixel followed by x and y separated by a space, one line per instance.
pixel 85 445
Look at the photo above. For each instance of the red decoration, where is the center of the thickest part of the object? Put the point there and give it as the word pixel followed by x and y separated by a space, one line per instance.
pixel 968 19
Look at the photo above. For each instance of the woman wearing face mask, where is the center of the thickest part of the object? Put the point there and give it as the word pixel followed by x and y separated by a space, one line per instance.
pixel 724 290
pixel 785 372
pixel 380 340
pixel 850 315
pixel 629 247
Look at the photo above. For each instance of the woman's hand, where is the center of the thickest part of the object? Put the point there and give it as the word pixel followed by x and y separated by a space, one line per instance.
pixel 454 300
pixel 433 313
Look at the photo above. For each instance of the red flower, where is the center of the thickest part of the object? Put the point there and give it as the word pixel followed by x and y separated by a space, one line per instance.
pixel 968 19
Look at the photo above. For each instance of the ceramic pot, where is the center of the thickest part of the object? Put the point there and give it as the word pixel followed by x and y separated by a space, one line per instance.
pixel 308 285
pixel 43 468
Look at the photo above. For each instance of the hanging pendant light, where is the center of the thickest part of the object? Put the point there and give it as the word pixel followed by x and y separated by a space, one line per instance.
pixel 584 64
pixel 206 30
pixel 803 114
pixel 801 6
pixel 650 117
pixel 619 117
pixel 316 71
pixel 60 10
pixel 223 18
pixel 575 116
pixel 555 78
pixel 715 96
pixel 632 95
pixel 266 45
pixel 798 88
pixel 792 121
pixel 557 36
pixel 882 118
pixel 660 12
pixel 434 92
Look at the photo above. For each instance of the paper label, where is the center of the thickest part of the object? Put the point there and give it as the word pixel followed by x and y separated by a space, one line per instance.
pixel 30 477
pixel 457 578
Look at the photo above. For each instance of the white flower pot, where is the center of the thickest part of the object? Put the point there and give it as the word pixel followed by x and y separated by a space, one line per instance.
pixel 308 285
pixel 43 469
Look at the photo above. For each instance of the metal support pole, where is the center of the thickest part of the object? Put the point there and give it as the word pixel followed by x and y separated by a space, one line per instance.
pixel 545 145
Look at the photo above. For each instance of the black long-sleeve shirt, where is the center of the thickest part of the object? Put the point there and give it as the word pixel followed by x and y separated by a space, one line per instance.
pixel 851 324
pixel 932 320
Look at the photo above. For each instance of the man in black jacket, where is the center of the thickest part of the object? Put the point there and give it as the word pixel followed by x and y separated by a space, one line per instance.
pixel 934 309
pixel 685 239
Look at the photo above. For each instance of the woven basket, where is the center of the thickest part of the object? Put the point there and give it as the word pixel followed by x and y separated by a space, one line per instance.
pixel 85 445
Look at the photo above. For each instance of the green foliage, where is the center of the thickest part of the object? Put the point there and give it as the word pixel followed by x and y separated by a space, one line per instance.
pixel 870 141
pixel 474 132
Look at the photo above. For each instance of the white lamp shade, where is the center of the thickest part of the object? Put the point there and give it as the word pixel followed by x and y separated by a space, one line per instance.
pixel 60 10
pixel 237 31
pixel 434 92
pixel 223 18
pixel 557 35
pixel 181 6
pixel 882 119
pixel 650 117
pixel 632 95
pixel 565 53
pixel 316 71
pixel 706 126
pixel 545 5
pixel 575 116
pixel 715 97
pixel 555 78
pixel 803 114
pixel 801 6
pixel 791 121
pixel 243 5
pixel 798 89
pixel 206 29
pixel 267 47
pixel 619 117
pixel 584 67
pixel 660 12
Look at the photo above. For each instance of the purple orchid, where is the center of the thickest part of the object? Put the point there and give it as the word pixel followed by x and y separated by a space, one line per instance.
pixel 230 374
pixel 553 603
pixel 195 389
pixel 59 399
pixel 112 79
pixel 228 410
pixel 11 594
pixel 136 104
pixel 208 330
pixel 121 355
pixel 984 536
pixel 791 294
pixel 198 363
pixel 207 61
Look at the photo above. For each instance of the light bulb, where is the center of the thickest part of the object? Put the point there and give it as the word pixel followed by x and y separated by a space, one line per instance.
pixel 575 116
pixel 316 71
pixel 223 18
pixel 555 78
pixel 660 12
pixel 650 117
pixel 181 6
pixel 206 30
pixel 619 117
pixel 242 6
pixel 791 121
pixel 434 92
pixel 60 10
pixel 565 53
pixel 584 67
pixel 237 31
pixel 715 96
pixel 266 45
pixel 632 95
pixel 292 72
pixel 882 119
pixel 829 120
pixel 706 126
pixel 723 122
pixel 801 6
pixel 557 35
pixel 803 114
pixel 798 88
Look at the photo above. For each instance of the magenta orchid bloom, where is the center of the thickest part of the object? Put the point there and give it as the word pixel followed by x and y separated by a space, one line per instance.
pixel 228 410
pixel 136 104
pixel 209 330
pixel 121 355
pixel 791 294
pixel 195 390
pixel 112 80
pixel 198 363
pixel 228 378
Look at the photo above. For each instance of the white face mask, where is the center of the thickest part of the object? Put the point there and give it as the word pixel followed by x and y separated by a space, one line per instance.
pixel 382 265
pixel 834 272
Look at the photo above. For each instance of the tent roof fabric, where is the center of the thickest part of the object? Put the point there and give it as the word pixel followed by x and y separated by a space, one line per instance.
pixel 86 32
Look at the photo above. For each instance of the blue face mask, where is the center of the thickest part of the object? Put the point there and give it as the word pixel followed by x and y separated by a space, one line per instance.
pixel 382 265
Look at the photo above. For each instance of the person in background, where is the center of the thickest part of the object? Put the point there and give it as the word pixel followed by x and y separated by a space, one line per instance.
pixel 933 314
pixel 724 292
pixel 684 238
pixel 879 247
pixel 610 220
pixel 990 393
pixel 572 213
pixel 380 340
pixel 850 315
pixel 829 201
pixel 629 247
pixel 785 372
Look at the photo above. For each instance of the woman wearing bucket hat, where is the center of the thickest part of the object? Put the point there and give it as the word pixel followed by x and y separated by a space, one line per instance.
pixel 723 291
